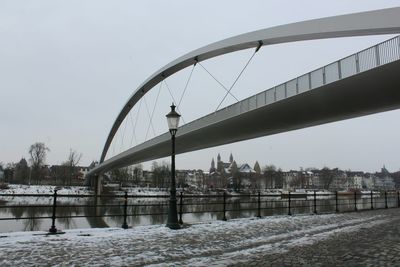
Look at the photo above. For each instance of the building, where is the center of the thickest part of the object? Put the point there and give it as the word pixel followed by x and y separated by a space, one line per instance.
pixel 230 174
pixel 383 180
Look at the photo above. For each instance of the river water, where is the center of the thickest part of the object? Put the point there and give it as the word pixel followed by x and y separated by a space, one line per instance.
pixel 103 212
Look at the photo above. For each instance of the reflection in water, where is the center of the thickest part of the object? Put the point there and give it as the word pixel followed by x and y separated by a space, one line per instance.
pixel 32 224
pixel 93 210
pixel 108 212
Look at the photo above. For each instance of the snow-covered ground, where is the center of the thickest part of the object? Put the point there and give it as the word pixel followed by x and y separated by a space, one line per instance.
pixel 207 244
pixel 137 191
pixel 77 190
pixel 45 189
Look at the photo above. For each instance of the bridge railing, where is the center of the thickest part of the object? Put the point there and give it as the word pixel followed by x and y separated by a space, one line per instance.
pixel 125 209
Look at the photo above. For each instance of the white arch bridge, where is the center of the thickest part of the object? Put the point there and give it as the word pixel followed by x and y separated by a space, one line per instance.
pixel 363 83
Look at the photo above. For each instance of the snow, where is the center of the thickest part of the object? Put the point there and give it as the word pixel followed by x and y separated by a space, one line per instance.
pixel 213 243
pixel 137 191
pixel 45 189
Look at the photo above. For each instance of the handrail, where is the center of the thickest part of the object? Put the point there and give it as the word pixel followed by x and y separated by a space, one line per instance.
pixel 227 204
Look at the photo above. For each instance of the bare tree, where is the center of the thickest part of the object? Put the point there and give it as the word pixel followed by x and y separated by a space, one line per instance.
pixel 121 175
pixel 38 152
pixel 161 174
pixel 137 174
pixel 270 176
pixel 73 160
pixel 326 177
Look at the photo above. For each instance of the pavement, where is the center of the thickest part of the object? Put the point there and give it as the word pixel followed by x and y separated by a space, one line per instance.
pixel 367 238
pixel 378 245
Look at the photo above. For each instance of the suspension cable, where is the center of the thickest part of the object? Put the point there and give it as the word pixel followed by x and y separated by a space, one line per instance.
pixel 154 108
pixel 113 148
pixel 186 86
pixel 148 113
pixel 173 99
pixel 133 130
pixel 123 134
pixel 222 85
pixel 137 118
pixel 237 78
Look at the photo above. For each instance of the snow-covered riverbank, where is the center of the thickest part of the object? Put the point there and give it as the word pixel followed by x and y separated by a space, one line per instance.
pixel 45 189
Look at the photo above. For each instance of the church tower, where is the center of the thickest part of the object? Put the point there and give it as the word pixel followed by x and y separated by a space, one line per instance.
pixel 212 168
pixel 220 166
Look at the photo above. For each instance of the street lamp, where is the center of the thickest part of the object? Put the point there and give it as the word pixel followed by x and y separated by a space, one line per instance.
pixel 173 122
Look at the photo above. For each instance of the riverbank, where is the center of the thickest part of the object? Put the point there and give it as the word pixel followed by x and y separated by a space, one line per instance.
pixel 45 189
pixel 19 189
pixel 277 240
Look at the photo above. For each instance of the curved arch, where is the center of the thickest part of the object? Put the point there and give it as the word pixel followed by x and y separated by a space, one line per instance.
pixel 383 21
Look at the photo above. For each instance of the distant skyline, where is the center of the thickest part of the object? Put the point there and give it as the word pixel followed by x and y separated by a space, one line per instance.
pixel 68 67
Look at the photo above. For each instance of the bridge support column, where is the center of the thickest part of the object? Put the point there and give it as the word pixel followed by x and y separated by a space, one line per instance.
pixel 98 181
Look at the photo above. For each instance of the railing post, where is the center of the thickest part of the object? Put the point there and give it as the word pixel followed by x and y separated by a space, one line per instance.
pixel 357 63
pixel 377 56
pixel 355 200
pixel 53 229
pixel 289 211
pixel 315 202
pixel 386 204
pixel 125 224
pixel 336 201
pixel 259 205
pixel 180 208
pixel 398 196
pixel 224 207
pixel 372 200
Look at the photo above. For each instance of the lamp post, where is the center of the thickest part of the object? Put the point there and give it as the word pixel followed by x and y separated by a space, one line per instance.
pixel 173 122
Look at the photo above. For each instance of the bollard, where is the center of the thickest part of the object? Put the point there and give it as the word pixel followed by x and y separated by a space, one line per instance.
pixel 259 205
pixel 125 225
pixel 289 212
pixel 386 204
pixel 315 202
pixel 372 200
pixel 224 207
pixel 336 201
pixel 53 229
pixel 355 200
pixel 180 208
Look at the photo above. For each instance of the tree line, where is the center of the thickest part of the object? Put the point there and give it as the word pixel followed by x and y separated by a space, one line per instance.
pixel 35 170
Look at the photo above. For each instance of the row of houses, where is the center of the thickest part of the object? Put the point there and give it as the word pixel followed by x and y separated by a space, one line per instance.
pixel 222 175
pixel 336 179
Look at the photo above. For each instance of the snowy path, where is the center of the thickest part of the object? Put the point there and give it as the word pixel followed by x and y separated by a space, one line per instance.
pixel 208 244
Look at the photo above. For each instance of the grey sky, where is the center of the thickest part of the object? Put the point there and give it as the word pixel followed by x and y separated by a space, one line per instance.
pixel 67 67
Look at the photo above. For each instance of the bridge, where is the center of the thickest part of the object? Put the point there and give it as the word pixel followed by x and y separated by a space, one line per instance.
pixel 364 83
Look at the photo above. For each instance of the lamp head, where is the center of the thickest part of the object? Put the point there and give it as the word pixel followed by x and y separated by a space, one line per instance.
pixel 173 119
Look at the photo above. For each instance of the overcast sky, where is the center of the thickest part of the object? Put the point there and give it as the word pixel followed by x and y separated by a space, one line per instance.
pixel 68 67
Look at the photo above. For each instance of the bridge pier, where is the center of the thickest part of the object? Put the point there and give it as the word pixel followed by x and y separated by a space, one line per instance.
pixel 98 187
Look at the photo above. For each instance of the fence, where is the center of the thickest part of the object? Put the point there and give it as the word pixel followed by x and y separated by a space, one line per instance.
pixel 223 205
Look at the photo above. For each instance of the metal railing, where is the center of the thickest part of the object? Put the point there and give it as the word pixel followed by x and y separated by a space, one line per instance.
pixel 223 205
